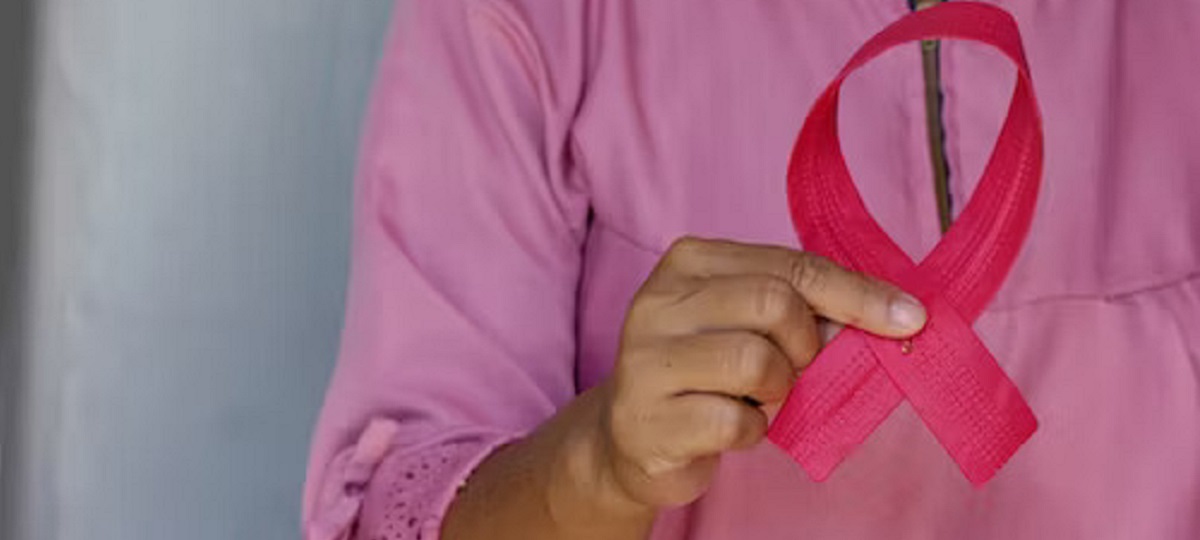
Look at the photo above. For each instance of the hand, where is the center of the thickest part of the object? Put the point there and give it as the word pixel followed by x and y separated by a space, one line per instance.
pixel 711 346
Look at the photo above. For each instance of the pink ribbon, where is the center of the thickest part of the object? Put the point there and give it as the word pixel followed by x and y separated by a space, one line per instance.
pixel 952 381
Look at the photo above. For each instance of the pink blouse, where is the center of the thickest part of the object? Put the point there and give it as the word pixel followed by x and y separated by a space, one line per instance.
pixel 527 161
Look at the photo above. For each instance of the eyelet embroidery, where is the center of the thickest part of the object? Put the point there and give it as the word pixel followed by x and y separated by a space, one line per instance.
pixel 413 480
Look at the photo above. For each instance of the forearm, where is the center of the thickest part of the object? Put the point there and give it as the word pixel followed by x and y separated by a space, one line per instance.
pixel 549 486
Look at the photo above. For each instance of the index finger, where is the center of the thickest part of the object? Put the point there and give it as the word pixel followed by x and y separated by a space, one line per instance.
pixel 832 291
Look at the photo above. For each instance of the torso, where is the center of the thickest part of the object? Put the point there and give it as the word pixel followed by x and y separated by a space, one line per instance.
pixel 690 112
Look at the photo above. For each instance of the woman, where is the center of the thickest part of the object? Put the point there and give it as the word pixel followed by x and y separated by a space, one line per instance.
pixel 532 352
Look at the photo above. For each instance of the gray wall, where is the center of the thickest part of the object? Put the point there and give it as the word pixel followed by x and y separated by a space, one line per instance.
pixel 187 233
pixel 16 25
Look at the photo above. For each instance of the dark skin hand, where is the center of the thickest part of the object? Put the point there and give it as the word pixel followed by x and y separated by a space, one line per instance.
pixel 711 346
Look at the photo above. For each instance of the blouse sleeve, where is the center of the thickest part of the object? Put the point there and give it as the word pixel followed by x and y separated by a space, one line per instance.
pixel 459 329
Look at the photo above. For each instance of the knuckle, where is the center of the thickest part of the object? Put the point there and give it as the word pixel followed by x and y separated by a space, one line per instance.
pixel 773 300
pixel 748 361
pixel 639 312
pixel 652 466
pixel 683 249
pixel 649 311
pixel 809 273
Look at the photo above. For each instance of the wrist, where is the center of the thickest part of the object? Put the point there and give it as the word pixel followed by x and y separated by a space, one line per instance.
pixel 584 495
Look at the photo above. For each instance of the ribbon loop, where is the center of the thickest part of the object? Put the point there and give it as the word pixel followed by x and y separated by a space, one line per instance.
pixel 945 372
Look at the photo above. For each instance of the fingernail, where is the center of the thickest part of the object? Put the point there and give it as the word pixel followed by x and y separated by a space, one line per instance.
pixel 906 313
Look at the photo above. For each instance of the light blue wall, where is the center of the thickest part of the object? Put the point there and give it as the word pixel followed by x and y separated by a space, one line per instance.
pixel 189 225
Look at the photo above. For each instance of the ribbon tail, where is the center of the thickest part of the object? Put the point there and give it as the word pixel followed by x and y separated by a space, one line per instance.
pixel 959 391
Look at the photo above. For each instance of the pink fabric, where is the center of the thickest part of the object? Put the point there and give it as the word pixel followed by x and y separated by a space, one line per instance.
pixel 527 161
pixel 944 372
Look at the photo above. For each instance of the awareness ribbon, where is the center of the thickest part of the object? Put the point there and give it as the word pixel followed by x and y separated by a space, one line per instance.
pixel 945 372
